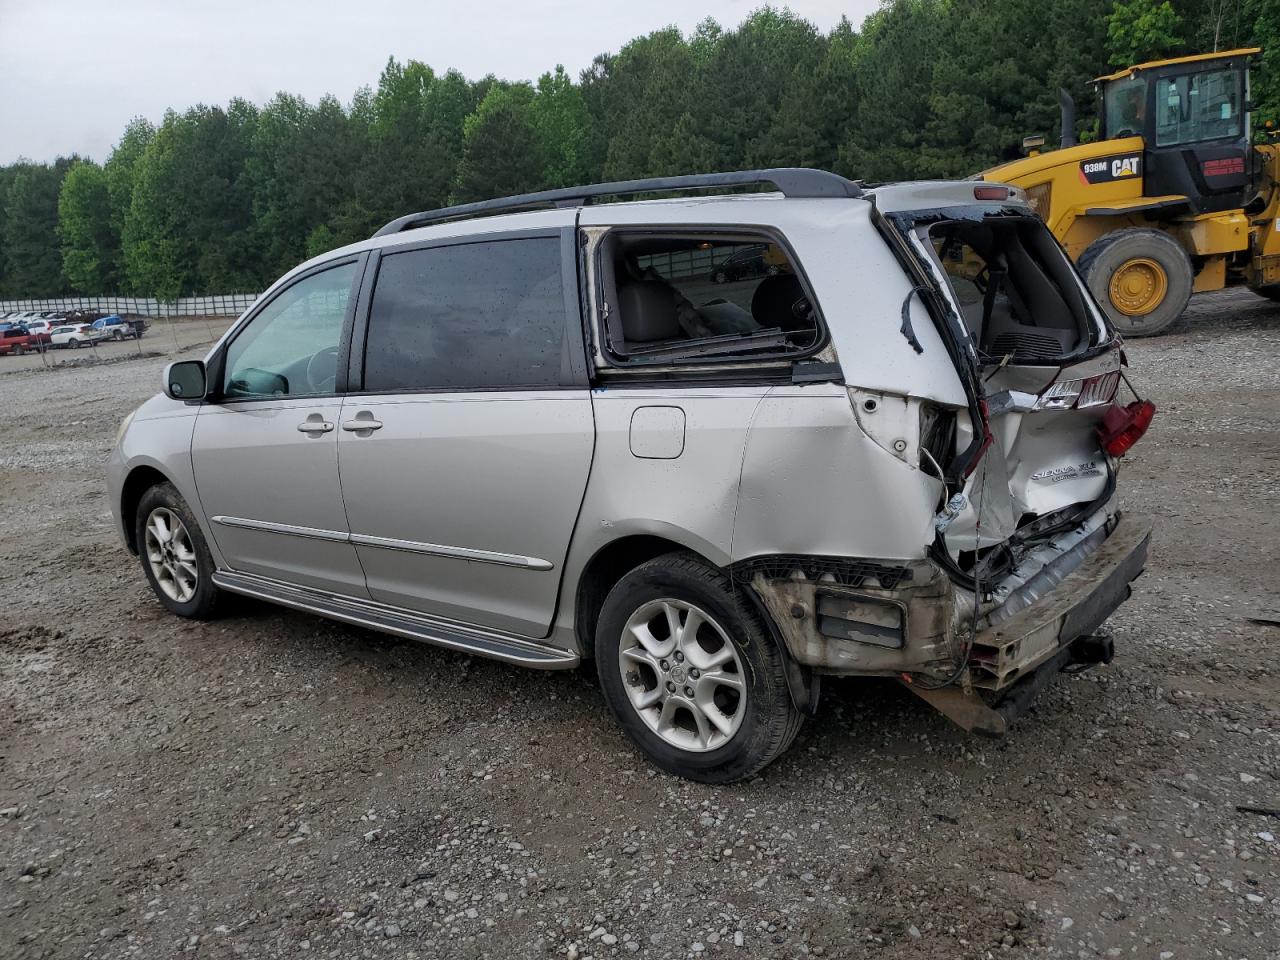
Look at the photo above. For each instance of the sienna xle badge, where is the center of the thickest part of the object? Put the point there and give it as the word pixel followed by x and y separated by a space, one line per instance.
pixel 721 445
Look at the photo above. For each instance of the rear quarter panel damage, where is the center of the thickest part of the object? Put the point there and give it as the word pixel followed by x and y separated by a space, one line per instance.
pixel 814 483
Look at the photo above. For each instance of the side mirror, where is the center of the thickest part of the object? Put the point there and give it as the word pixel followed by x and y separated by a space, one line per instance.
pixel 185 380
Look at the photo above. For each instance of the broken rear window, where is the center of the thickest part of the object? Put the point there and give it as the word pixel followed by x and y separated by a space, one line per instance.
pixel 702 297
pixel 1016 290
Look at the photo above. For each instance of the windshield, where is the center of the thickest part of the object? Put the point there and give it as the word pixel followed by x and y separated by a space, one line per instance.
pixel 1124 105
pixel 1198 106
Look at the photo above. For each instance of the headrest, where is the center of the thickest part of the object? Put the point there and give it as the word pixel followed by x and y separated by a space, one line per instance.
pixel 779 301
pixel 648 311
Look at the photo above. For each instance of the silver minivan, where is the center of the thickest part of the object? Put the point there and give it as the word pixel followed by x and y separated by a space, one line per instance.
pixel 772 427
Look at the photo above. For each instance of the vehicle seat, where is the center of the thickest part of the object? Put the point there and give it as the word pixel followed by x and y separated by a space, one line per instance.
pixel 780 303
pixel 649 312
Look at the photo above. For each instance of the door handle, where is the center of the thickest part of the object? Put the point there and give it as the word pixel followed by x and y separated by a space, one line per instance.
pixel 361 423
pixel 315 426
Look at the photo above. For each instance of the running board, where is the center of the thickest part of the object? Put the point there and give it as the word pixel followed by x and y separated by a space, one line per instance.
pixel 400 622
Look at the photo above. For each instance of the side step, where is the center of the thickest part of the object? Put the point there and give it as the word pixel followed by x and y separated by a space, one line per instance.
pixel 401 622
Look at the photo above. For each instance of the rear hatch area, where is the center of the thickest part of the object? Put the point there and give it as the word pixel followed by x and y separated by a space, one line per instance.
pixel 1030 491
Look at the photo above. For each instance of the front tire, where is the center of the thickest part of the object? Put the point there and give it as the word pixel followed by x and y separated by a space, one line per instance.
pixel 175 556
pixel 691 673
pixel 1141 278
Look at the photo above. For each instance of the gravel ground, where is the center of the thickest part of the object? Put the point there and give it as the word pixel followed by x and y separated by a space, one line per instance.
pixel 271 784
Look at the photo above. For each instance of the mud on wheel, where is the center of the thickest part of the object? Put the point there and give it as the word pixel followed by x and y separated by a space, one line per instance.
pixel 691 673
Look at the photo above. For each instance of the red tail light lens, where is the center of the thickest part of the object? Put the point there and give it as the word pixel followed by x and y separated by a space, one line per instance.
pixel 1122 427
pixel 991 193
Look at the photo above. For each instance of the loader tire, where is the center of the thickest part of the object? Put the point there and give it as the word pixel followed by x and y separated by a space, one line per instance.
pixel 1271 293
pixel 1141 278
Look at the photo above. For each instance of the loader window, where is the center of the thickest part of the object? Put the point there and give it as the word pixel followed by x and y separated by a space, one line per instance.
pixel 1198 106
pixel 1015 289
pixel 1124 103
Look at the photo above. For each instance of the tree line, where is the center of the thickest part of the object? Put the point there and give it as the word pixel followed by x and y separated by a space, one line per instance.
pixel 224 199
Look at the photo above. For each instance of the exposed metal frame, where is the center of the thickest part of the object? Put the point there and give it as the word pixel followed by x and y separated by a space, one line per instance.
pixel 790 181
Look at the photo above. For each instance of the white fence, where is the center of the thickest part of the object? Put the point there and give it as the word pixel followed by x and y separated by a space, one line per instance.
pixel 225 305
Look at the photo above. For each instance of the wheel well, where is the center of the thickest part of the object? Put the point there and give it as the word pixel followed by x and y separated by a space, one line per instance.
pixel 610 564
pixel 139 481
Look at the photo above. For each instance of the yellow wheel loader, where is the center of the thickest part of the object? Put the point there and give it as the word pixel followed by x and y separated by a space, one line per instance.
pixel 1172 199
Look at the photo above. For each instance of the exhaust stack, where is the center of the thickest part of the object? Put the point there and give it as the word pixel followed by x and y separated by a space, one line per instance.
pixel 1068 106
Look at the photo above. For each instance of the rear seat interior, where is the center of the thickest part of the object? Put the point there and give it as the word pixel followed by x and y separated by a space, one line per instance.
pixel 1015 305
pixel 652 310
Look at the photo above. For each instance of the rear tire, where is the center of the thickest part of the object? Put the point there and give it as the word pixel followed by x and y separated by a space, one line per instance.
pixel 1271 292
pixel 711 705
pixel 181 573
pixel 1141 278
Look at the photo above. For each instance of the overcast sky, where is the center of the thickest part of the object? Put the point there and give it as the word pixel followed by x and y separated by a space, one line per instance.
pixel 72 72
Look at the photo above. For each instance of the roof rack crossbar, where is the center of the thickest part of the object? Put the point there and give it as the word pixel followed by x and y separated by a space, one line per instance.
pixel 790 181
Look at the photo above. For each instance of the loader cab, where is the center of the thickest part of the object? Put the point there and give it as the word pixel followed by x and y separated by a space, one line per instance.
pixel 1193 116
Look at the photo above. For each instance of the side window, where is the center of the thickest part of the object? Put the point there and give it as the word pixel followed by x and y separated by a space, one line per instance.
pixel 1123 104
pixel 1198 106
pixel 476 316
pixel 291 347
pixel 681 298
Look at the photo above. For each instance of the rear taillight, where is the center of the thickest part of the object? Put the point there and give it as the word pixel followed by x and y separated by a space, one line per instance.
pixel 1080 394
pixel 1097 391
pixel 991 193
pixel 1122 427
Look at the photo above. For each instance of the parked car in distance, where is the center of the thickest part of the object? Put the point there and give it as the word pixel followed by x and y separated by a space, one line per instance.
pixel 753 261
pixel 519 428
pixel 119 328
pixel 18 340
pixel 75 335
pixel 41 326
pixel 83 316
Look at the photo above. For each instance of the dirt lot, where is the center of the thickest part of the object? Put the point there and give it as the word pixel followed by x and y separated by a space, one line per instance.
pixel 162 336
pixel 274 785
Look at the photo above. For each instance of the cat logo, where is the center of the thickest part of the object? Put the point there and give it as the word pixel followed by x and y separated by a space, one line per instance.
pixel 1108 169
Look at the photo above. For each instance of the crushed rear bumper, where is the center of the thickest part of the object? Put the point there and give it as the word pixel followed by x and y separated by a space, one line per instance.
pixel 1011 662
pixel 1075 607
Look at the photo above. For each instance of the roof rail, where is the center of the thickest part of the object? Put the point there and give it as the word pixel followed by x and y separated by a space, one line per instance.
pixel 791 181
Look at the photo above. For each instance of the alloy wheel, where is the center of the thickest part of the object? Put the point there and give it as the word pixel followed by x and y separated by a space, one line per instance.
pixel 683 675
pixel 171 555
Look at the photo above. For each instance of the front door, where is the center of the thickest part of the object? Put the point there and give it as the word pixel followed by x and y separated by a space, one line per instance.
pixel 1198 146
pixel 265 451
pixel 465 458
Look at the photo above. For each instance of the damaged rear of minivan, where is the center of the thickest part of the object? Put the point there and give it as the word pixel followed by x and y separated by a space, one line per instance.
pixel 1030 550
